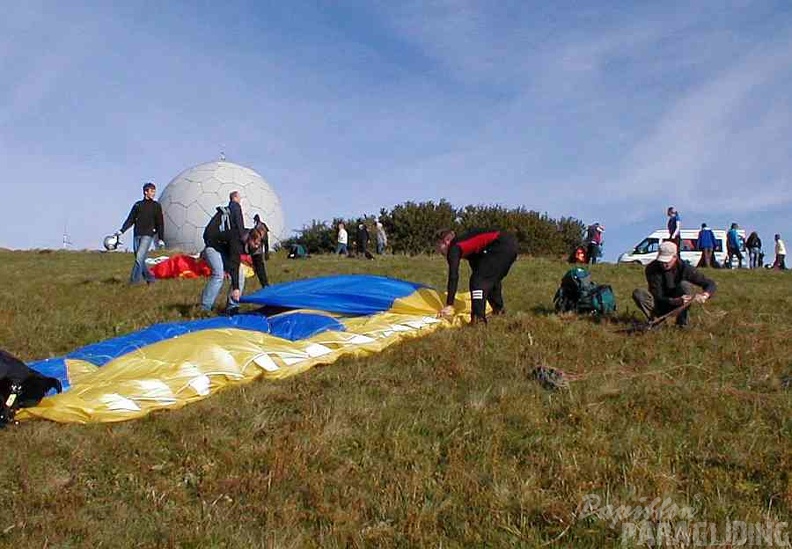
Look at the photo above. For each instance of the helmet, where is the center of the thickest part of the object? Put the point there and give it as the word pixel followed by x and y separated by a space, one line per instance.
pixel 111 242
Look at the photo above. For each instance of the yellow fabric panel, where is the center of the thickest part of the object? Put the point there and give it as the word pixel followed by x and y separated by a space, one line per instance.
pixel 172 373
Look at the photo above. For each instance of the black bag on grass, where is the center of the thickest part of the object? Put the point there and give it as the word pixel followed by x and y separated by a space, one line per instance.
pixel 20 387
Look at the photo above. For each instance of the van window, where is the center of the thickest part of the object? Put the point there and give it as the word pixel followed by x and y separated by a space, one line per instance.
pixel 689 244
pixel 648 246
pixel 718 245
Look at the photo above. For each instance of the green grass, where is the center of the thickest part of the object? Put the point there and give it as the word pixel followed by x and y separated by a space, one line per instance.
pixel 440 441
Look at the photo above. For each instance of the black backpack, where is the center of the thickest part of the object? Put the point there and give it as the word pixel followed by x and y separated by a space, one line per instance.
pixel 20 387
pixel 580 294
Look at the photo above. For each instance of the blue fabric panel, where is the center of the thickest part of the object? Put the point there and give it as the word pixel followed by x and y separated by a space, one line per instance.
pixel 295 326
pixel 103 352
pixel 348 294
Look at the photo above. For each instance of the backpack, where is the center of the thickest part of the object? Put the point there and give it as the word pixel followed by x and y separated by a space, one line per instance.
pixel 579 293
pixel 225 218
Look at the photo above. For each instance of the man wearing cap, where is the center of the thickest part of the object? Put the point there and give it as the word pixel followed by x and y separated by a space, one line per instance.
pixel 671 283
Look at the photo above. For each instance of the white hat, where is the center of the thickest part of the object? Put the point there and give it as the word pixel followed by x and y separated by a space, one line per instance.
pixel 668 251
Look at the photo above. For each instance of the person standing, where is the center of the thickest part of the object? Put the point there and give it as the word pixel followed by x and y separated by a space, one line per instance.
pixel 594 242
pixel 670 282
pixel 146 216
pixel 362 241
pixel 382 238
pixel 343 240
pixel 733 245
pixel 706 243
pixel 754 245
pixel 236 218
pixel 491 254
pixel 780 253
pixel 674 226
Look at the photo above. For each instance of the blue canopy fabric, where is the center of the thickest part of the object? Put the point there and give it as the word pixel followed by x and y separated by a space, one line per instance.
pixel 347 294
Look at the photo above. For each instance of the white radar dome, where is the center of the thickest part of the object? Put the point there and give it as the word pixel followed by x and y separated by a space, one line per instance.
pixel 191 198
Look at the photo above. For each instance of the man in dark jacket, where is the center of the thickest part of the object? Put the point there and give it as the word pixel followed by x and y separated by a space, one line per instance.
pixel 222 253
pixel 146 216
pixel 362 241
pixel 491 254
pixel 671 283
pixel 706 243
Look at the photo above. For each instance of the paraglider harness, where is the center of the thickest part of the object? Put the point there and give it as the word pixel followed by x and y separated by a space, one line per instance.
pixel 20 387
pixel 580 294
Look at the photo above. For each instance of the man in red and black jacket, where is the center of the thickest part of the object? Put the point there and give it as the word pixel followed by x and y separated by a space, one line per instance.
pixel 491 254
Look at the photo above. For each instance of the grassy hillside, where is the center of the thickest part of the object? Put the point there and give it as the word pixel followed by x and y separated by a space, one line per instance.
pixel 444 440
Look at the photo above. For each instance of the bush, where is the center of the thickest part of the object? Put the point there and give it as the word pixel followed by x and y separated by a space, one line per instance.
pixel 411 226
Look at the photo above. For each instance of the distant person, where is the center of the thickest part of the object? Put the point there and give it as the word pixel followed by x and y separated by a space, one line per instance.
pixel 706 243
pixel 260 255
pixel 235 212
pixel 780 253
pixel 146 216
pixel 343 240
pixel 491 254
pixel 222 252
pixel 362 241
pixel 594 242
pixel 382 238
pixel 674 227
pixel 754 245
pixel 670 282
pixel 733 246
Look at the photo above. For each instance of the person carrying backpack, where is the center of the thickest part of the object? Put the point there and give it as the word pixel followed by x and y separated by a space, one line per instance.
pixel 594 242
pixel 222 252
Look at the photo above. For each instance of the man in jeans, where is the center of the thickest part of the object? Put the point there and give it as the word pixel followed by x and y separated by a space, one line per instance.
pixel 670 282
pixel 222 252
pixel 146 216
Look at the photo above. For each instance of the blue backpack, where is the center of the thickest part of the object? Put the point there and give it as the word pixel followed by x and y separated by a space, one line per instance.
pixel 580 294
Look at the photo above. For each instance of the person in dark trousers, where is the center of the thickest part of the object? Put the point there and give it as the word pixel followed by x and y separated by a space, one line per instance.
pixel 491 253
pixel 146 216
pixel 594 242
pixel 706 243
pixel 362 241
pixel 671 283
pixel 237 220
pixel 674 226
pixel 260 255
pixel 222 253
pixel 754 245
pixel 733 246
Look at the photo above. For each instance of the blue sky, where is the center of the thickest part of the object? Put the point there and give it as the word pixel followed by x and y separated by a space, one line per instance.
pixel 605 111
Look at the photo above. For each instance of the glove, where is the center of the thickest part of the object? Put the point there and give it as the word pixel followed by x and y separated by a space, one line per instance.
pixel 160 244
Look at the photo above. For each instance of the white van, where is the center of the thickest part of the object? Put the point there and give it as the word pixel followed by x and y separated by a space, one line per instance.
pixel 646 250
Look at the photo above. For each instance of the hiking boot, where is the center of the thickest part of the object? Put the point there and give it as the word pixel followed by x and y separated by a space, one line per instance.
pixel 498 312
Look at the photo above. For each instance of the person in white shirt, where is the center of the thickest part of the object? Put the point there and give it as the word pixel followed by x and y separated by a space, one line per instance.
pixel 780 251
pixel 343 240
